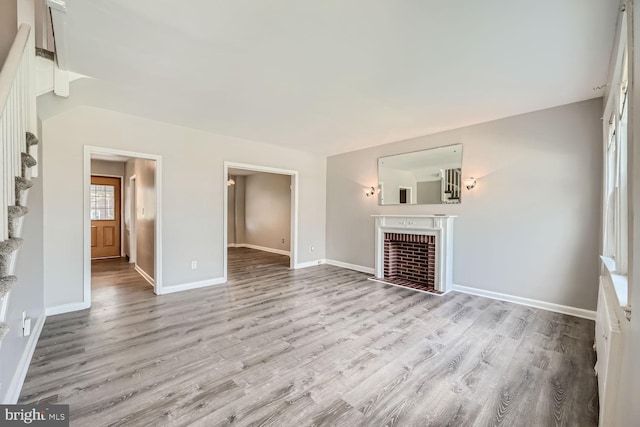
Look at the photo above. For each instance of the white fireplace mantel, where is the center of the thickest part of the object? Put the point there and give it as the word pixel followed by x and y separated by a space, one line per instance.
pixel 440 226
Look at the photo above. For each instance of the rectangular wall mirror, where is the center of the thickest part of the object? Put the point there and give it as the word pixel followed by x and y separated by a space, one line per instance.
pixel 424 177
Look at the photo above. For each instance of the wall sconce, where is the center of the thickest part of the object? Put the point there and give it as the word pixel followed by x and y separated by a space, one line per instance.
pixel 230 182
pixel 369 191
pixel 470 183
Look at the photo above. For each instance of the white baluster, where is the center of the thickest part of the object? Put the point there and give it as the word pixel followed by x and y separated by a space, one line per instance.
pixel 5 172
pixel 3 212
pixel 12 141
pixel 9 160
pixel 23 107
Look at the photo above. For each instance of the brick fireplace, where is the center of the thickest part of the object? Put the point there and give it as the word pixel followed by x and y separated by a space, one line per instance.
pixel 410 260
pixel 415 251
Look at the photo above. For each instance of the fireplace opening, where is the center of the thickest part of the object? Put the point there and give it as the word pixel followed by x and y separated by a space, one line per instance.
pixel 410 261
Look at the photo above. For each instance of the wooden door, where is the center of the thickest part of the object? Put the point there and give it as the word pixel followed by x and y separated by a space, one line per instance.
pixel 105 217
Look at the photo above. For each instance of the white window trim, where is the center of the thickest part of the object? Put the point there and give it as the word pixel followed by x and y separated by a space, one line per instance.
pixel 616 268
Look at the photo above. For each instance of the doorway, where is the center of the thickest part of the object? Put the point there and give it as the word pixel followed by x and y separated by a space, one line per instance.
pixel 405 195
pixel 106 216
pixel 122 234
pixel 276 242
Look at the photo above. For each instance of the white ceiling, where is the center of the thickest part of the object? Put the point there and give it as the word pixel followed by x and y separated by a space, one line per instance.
pixel 333 76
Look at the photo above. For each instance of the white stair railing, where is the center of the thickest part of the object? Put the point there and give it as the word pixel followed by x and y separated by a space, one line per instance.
pixel 451 185
pixel 17 117
pixel 16 104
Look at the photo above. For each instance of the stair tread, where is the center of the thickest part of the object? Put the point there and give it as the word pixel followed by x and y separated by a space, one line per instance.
pixel 23 183
pixel 10 245
pixel 28 160
pixel 32 139
pixel 17 211
pixel 6 284
pixel 4 328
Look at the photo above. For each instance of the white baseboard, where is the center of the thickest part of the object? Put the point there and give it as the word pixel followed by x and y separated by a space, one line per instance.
pixel 66 308
pixel 192 285
pixel 259 248
pixel 355 267
pixel 308 264
pixel 145 276
pixel 13 392
pixel 558 308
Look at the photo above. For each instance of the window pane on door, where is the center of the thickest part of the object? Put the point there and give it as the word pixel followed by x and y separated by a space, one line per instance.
pixel 103 202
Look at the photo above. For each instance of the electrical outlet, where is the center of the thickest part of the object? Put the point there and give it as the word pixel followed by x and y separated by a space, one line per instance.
pixel 311 248
pixel 26 324
pixel 194 265
pixel 26 327
pixel 282 240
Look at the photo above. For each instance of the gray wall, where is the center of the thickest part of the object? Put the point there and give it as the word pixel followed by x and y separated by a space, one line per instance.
pixel 231 214
pixel 391 181
pixel 28 295
pixel 236 211
pixel 236 230
pixel 145 214
pixel 145 217
pixel 240 210
pixel 129 171
pixel 103 167
pixel 192 193
pixel 259 211
pixel 268 210
pixel 429 192
pixel 8 27
pixel 529 228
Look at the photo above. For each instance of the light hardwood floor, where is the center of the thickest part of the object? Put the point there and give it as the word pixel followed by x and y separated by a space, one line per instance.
pixel 318 346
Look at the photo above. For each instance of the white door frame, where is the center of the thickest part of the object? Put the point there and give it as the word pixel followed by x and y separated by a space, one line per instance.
pixel 133 214
pixel 293 250
pixel 88 151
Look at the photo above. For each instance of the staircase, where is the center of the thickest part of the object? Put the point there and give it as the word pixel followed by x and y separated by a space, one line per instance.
pixel 451 185
pixel 17 155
